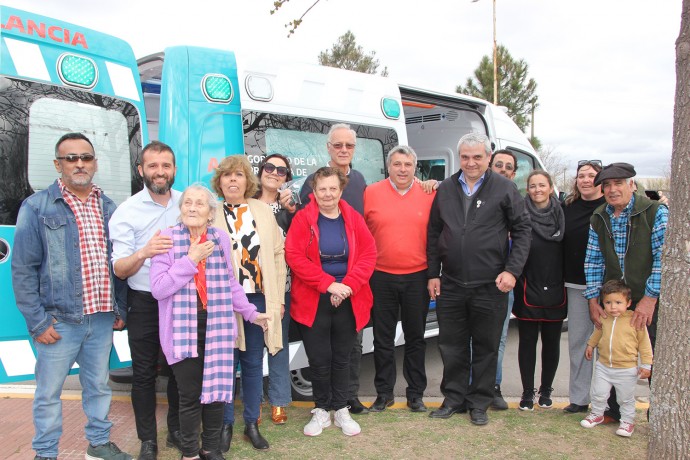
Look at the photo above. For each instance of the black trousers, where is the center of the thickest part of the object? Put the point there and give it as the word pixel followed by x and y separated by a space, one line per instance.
pixel 328 343
pixel 355 366
pixel 478 314
pixel 550 351
pixel 189 374
pixel 144 346
pixel 407 297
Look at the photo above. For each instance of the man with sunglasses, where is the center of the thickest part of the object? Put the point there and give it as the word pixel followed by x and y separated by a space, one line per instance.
pixel 341 144
pixel 135 234
pixel 626 238
pixel 503 162
pixel 68 295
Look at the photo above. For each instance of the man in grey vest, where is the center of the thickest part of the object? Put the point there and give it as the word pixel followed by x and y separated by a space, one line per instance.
pixel 626 238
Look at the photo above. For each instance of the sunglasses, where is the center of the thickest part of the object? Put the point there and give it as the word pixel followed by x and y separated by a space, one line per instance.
pixel 500 165
pixel 339 145
pixel 582 163
pixel 335 256
pixel 73 158
pixel 280 170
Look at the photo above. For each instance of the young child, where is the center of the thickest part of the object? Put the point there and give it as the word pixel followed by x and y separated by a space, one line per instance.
pixel 618 344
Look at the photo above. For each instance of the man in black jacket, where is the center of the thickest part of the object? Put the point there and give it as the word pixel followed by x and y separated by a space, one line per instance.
pixel 469 262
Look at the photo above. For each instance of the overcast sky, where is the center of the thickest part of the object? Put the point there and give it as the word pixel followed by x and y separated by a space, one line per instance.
pixel 605 69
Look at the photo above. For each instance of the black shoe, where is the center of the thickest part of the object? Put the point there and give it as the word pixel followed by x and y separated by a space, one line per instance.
pixel 545 397
pixel 527 400
pixel 381 403
pixel 38 457
pixel 479 417
pixel 148 451
pixel 446 411
pixel 463 408
pixel 575 408
pixel 174 440
pixel 251 432
pixel 416 405
pixel 213 455
pixel 225 437
pixel 356 407
pixel 498 402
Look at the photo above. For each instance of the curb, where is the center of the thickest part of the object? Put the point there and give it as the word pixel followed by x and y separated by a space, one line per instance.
pixel 27 393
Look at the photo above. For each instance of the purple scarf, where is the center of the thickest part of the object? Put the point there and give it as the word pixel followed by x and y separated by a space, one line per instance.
pixel 218 376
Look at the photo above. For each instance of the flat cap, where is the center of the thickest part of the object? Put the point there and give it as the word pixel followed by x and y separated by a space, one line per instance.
pixel 615 171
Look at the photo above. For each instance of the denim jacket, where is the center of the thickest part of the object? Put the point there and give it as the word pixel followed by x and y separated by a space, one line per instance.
pixel 46 262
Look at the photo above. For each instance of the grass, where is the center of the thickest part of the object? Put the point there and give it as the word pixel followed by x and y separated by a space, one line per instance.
pixel 397 433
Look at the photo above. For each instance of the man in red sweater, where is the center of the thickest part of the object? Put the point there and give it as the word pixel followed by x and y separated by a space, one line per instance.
pixel 397 210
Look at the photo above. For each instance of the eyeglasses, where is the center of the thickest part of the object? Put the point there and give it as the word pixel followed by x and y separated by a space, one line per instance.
pixel 507 166
pixel 582 163
pixel 280 170
pixel 339 145
pixel 335 256
pixel 73 158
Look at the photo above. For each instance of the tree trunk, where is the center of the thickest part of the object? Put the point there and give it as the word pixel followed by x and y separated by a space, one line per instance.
pixel 670 408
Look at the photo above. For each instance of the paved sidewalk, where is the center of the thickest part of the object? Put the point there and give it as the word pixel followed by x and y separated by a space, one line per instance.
pixel 16 426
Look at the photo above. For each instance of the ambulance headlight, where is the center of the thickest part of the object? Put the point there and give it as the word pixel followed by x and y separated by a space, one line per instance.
pixel 390 108
pixel 77 71
pixel 259 88
pixel 217 88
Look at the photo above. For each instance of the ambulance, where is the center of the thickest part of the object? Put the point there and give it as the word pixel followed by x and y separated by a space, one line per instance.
pixel 57 77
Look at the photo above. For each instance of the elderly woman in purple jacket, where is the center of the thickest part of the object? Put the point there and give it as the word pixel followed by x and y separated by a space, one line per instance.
pixel 197 294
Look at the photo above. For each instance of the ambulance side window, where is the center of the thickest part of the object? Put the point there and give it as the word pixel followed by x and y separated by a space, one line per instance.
pixel 303 141
pixel 33 116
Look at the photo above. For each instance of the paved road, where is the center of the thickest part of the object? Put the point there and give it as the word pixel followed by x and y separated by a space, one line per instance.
pixel 511 387
pixel 16 430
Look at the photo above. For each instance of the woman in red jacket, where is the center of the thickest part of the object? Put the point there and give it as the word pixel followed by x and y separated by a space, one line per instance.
pixel 332 256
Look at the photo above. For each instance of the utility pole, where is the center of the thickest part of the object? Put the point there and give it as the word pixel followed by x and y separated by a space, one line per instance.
pixel 495 60
pixel 495 56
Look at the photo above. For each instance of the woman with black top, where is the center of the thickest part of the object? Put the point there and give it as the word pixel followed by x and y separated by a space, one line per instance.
pixel 274 172
pixel 578 209
pixel 540 301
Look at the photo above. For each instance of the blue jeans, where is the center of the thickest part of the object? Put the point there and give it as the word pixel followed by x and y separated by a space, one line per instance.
pixel 251 361
pixel 504 339
pixel 88 344
pixel 279 365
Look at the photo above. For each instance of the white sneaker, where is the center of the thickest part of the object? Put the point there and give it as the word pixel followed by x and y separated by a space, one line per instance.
pixel 320 420
pixel 625 429
pixel 343 420
pixel 592 420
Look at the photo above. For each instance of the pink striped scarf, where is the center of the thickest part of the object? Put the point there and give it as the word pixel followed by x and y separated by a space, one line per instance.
pixel 218 376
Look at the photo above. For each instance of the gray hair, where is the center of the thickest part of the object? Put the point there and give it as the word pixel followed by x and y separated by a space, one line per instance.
pixel 472 139
pixel 404 150
pixel 211 198
pixel 338 126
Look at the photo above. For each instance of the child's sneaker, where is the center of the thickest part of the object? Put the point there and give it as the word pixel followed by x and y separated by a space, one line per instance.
pixel 320 420
pixel 344 421
pixel 592 420
pixel 625 429
pixel 527 400
pixel 545 397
